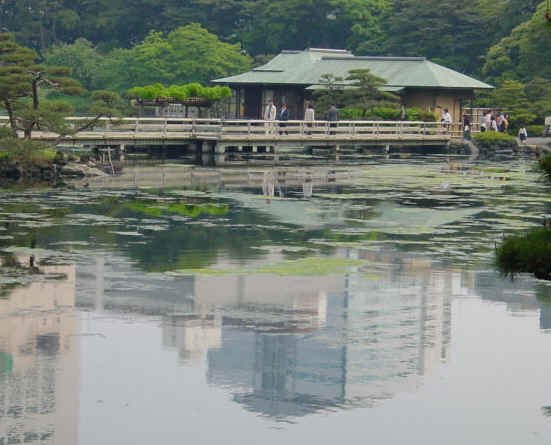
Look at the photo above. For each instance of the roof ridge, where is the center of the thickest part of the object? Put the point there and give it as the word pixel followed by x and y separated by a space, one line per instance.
pixel 382 58
pixel 328 50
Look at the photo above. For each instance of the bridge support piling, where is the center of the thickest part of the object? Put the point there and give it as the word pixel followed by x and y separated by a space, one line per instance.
pixel 220 159
pixel 208 147
pixel 122 149
pixel 275 151
pixel 219 148
pixel 194 147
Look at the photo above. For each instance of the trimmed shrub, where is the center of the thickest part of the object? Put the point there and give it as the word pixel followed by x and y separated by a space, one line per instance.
pixel 179 92
pixel 535 130
pixel 352 114
pixel 386 114
pixel 495 139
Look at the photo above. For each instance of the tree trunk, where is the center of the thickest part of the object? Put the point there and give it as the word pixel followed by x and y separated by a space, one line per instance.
pixel 11 116
pixel 35 91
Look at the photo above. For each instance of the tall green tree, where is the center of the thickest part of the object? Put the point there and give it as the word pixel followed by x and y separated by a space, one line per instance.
pixel 82 58
pixel 453 33
pixel 523 54
pixel 367 90
pixel 21 82
pixel 187 54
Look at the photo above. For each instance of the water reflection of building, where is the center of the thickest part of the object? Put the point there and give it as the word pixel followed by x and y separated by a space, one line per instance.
pixel 191 334
pixel 520 295
pixel 39 362
pixel 379 336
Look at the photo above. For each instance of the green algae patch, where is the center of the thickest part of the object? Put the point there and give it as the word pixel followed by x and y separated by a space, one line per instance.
pixel 154 209
pixel 311 266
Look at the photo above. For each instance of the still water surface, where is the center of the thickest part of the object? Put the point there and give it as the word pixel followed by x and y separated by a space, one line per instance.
pixel 292 305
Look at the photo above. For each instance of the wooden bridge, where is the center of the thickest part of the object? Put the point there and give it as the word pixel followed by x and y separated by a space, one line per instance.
pixel 216 135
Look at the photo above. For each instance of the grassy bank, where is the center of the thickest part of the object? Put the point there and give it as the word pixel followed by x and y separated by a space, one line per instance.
pixel 26 161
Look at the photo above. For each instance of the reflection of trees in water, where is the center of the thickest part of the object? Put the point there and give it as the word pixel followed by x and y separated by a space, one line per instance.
pixel 183 244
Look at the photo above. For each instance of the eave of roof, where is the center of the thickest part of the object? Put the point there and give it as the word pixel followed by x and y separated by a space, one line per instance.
pixel 304 68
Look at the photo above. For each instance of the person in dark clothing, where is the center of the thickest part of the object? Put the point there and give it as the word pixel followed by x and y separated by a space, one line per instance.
pixel 283 116
pixel 333 117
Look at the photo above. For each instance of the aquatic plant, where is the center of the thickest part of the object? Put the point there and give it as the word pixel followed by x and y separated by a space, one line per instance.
pixel 309 266
pixel 154 208
pixel 529 252
pixel 544 166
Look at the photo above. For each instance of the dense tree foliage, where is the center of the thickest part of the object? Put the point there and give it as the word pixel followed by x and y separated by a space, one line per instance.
pixel 523 54
pixel 456 33
pixel 187 54
pixel 117 44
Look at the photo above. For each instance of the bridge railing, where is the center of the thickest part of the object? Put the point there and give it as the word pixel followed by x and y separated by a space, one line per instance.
pixel 218 128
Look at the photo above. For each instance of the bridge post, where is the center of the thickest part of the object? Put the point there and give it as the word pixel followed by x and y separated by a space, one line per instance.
pixel 122 149
pixel 208 147
pixel 193 147
pixel 275 150
pixel 219 148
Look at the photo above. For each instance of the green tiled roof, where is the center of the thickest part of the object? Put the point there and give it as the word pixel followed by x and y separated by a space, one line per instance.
pixel 306 67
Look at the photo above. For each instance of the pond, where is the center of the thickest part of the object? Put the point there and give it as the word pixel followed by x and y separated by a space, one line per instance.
pixel 356 302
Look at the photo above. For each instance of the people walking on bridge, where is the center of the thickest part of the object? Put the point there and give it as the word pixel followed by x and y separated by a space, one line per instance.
pixel 309 116
pixel 283 116
pixel 466 127
pixel 493 124
pixel 523 134
pixel 487 119
pixel 333 117
pixel 505 123
pixel 269 115
pixel 447 119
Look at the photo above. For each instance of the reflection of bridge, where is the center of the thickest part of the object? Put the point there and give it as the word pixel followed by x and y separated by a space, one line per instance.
pixel 215 135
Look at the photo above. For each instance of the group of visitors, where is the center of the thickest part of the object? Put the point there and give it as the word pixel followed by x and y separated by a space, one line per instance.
pixel 499 122
pixel 271 113
pixel 491 122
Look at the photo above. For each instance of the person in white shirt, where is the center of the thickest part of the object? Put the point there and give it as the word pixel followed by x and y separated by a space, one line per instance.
pixel 270 115
pixel 309 116
pixel 447 117
pixel 523 134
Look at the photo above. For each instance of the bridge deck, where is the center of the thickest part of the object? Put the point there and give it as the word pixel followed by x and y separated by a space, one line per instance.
pixel 172 131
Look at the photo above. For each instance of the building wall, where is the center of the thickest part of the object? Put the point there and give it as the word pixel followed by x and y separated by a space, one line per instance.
pixel 436 101
pixel 255 99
